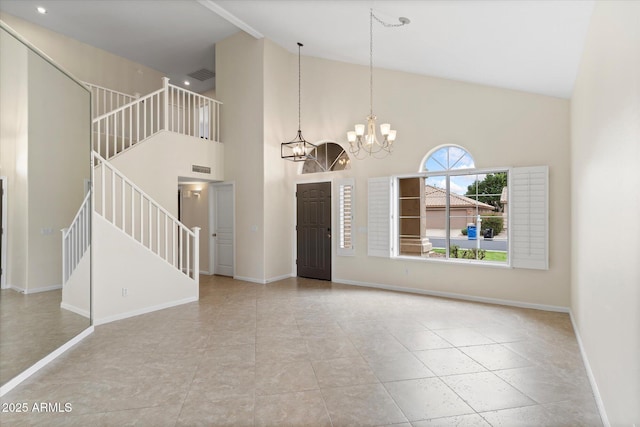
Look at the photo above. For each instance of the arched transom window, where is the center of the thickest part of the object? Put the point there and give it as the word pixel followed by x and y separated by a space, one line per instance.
pixel 448 157
pixel 328 157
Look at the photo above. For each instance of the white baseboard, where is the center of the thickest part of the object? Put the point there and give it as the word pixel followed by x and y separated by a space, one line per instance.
pixel 10 385
pixel 275 279
pixel 36 290
pixel 144 310
pixel 263 281
pixel 497 301
pixel 75 309
pixel 250 279
pixel 592 378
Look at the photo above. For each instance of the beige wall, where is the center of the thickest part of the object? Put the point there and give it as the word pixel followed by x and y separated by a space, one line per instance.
pixel 14 137
pixel 605 125
pixel 88 63
pixel 240 86
pixel 280 125
pixel 156 163
pixel 45 155
pixel 59 164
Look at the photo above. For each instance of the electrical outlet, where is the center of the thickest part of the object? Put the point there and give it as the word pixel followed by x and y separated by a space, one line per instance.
pixel 125 291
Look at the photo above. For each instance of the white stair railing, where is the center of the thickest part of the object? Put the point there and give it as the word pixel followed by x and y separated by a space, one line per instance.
pixel 118 130
pixel 171 108
pixel 76 239
pixel 106 100
pixel 192 114
pixel 127 207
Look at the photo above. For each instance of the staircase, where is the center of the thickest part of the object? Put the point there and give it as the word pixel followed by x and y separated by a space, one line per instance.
pixel 144 259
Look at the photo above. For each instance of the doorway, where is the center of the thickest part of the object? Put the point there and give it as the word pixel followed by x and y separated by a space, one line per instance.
pixel 313 219
pixel 222 226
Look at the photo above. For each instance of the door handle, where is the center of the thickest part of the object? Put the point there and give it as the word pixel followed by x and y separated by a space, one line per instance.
pixel 329 232
pixel 214 234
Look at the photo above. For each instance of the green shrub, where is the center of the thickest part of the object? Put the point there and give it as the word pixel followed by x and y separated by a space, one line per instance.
pixel 474 254
pixel 495 221
pixel 453 251
pixel 464 231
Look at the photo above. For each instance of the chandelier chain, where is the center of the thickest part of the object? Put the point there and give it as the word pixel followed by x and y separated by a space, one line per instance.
pixel 371 61
pixel 299 84
pixel 384 24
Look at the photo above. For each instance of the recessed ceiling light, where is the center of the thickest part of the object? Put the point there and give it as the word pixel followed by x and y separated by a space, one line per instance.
pixel 41 10
pixel 186 83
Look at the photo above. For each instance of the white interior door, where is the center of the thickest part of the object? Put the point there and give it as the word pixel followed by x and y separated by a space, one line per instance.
pixel 223 229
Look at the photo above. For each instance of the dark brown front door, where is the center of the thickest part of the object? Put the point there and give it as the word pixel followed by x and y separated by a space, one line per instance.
pixel 314 230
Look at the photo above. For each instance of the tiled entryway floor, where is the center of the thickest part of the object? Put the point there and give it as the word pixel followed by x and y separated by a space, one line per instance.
pixel 305 352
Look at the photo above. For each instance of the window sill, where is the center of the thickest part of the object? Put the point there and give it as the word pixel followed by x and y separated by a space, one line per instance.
pixel 454 261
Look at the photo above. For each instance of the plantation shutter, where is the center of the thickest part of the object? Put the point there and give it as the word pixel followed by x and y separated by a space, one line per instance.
pixel 529 221
pixel 379 217
pixel 346 200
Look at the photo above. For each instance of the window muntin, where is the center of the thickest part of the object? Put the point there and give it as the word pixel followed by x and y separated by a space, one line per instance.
pixel 328 157
pixel 446 158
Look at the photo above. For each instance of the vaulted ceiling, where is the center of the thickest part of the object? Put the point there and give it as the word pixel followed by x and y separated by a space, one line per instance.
pixel 534 46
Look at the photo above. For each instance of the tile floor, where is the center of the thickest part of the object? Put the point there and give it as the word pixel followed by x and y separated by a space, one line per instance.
pixel 303 352
pixel 31 327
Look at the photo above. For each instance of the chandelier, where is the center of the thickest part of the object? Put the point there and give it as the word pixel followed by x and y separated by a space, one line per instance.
pixel 298 149
pixel 361 145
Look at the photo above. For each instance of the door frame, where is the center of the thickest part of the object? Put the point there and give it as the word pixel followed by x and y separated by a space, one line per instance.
pixel 212 212
pixel 294 249
pixel 3 258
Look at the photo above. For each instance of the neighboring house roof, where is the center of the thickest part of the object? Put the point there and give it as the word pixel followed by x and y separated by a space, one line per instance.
pixel 504 197
pixel 436 198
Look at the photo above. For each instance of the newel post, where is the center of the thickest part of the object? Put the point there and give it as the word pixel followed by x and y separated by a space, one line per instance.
pixel 165 86
pixel 64 255
pixel 196 256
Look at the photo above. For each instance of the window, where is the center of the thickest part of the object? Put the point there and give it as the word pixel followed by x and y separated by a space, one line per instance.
pixel 328 157
pixel 346 201
pixel 454 212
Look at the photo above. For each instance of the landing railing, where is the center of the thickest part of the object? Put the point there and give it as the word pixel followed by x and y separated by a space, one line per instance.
pixel 171 108
pixel 106 100
pixel 119 129
pixel 127 207
pixel 76 239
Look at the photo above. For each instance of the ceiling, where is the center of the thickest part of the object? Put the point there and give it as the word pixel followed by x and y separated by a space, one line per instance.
pixel 533 46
